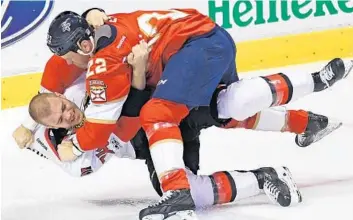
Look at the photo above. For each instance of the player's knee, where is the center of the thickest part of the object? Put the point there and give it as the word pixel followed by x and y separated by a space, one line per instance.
pixel 240 110
pixel 245 98
pixel 236 100
pixel 158 110
pixel 151 114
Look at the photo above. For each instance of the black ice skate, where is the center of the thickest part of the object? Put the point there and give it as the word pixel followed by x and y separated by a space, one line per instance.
pixel 176 203
pixel 278 185
pixel 318 127
pixel 334 71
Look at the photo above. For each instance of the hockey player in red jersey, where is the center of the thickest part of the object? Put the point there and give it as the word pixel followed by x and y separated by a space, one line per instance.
pixel 190 57
pixel 58 75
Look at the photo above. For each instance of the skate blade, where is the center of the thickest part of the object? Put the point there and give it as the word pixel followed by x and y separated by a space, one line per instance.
pixel 181 215
pixel 328 130
pixel 332 126
pixel 286 176
pixel 348 68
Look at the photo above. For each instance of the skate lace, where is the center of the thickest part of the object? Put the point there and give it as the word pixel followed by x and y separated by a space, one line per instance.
pixel 166 196
pixel 326 75
pixel 272 188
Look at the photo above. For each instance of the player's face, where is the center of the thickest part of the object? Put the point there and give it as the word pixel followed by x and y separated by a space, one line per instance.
pixel 77 59
pixel 63 113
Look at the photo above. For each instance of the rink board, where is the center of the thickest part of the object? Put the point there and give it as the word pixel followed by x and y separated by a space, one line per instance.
pixel 267 34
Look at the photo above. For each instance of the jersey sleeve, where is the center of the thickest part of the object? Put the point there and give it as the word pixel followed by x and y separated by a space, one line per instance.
pixel 108 83
pixel 45 145
pixel 58 75
pixel 87 163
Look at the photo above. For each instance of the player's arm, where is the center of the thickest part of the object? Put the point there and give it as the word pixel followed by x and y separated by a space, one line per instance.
pixel 46 145
pixel 108 84
pixel 89 162
pixel 138 59
pixel 129 123
pixel 58 75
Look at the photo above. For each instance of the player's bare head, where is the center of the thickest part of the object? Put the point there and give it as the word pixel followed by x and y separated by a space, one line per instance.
pixel 54 110
pixel 71 37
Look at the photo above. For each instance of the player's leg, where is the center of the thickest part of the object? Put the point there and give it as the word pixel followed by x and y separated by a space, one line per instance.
pixel 309 127
pixel 232 186
pixel 246 97
pixel 191 159
pixel 189 80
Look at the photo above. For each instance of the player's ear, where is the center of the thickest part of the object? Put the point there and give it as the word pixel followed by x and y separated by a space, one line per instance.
pixel 86 46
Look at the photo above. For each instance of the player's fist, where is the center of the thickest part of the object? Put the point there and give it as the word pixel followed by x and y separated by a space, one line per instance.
pixel 96 18
pixel 66 151
pixel 23 136
pixel 138 57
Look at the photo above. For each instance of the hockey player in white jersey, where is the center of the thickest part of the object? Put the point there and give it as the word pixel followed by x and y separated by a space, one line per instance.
pixel 207 190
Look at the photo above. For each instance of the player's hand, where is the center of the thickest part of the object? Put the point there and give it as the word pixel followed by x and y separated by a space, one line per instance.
pixel 96 18
pixel 23 137
pixel 138 58
pixel 65 151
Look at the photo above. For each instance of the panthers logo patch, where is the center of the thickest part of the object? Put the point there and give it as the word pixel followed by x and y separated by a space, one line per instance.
pixel 98 91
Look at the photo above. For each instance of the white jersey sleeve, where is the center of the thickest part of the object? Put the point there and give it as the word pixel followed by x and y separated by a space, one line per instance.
pixel 89 162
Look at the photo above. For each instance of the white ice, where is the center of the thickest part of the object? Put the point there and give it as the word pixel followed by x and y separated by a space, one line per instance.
pixel 35 189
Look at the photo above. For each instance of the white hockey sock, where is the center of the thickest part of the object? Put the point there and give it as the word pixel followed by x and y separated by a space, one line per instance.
pixel 241 185
pixel 222 187
pixel 277 119
pixel 246 97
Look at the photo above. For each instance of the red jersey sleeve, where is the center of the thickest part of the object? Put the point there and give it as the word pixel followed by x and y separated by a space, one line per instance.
pixel 59 75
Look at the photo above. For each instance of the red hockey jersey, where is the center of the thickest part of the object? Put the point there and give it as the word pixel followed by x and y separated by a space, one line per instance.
pixel 109 76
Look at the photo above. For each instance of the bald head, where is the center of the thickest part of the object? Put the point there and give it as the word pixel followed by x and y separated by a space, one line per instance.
pixel 39 107
pixel 55 111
